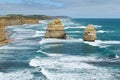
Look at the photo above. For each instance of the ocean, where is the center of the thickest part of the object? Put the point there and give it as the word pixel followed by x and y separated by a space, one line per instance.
pixel 31 57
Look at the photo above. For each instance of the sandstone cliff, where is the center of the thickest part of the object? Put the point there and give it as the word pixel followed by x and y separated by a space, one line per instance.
pixel 17 20
pixel 89 33
pixel 3 37
pixel 13 20
pixel 55 29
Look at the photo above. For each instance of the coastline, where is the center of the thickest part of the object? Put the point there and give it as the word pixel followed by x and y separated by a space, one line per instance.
pixel 5 42
pixel 6 21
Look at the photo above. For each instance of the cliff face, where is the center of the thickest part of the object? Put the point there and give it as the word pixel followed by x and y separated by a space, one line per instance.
pixel 13 20
pixel 3 37
pixel 55 30
pixel 17 20
pixel 9 22
pixel 30 21
pixel 2 32
pixel 89 33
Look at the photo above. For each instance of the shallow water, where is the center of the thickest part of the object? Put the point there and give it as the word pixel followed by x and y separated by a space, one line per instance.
pixel 31 57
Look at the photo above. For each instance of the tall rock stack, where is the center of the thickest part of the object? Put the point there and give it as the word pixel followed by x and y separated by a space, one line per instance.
pixel 55 29
pixel 89 33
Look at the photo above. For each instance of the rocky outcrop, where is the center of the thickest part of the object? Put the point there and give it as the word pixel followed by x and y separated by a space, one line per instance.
pixel 89 33
pixel 3 37
pixel 55 29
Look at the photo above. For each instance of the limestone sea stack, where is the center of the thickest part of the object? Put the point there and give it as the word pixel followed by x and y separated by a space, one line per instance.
pixel 89 33
pixel 55 29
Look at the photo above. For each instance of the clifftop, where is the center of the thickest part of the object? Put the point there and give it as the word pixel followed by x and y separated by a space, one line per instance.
pixel 40 17
pixel 17 20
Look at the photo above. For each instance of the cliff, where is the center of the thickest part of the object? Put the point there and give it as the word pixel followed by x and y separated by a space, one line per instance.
pixel 17 20
pixel 3 37
pixel 13 20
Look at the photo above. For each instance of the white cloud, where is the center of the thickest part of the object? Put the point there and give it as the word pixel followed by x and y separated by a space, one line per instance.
pixel 75 8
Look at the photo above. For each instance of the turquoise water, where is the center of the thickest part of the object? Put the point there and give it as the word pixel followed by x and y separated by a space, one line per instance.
pixel 31 57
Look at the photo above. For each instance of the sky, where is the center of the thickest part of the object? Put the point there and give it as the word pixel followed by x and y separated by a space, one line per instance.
pixel 72 8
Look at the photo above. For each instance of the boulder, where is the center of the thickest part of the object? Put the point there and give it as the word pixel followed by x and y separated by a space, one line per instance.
pixel 55 29
pixel 89 33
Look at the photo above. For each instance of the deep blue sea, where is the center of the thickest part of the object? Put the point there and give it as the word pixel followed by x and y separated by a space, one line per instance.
pixel 31 57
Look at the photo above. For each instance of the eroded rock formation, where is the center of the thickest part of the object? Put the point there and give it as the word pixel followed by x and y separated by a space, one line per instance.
pixel 3 37
pixel 89 33
pixel 55 29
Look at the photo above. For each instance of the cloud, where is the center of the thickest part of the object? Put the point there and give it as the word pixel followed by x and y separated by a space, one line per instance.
pixel 35 2
pixel 44 2
pixel 75 8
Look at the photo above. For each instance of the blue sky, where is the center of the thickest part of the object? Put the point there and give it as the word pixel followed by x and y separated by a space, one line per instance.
pixel 73 8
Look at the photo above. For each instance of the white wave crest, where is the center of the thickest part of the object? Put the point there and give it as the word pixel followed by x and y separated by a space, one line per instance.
pixel 22 30
pixel 14 48
pixel 76 27
pixel 73 31
pixel 50 54
pixel 45 41
pixel 39 34
pixel 18 75
pixel 81 27
pixel 99 43
pixel 102 31
pixel 64 62
pixel 69 68
pixel 46 73
pixel 102 44
pixel 51 45
pixel 97 26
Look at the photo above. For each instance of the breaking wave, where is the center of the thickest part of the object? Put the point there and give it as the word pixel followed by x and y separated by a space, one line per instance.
pixel 102 31
pixel 18 75
pixel 99 43
pixel 39 34
pixel 45 41
pixel 80 27
pixel 102 44
pixel 76 27
pixel 75 67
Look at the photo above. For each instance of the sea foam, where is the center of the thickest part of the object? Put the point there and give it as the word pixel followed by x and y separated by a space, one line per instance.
pixel 45 41
pixel 75 27
pixel 102 44
pixel 18 75
pixel 102 31
pixel 14 48
pixel 39 34
pixel 72 66
pixel 99 43
pixel 81 27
